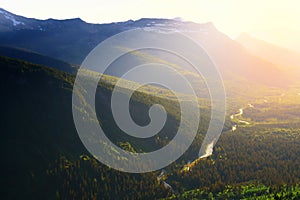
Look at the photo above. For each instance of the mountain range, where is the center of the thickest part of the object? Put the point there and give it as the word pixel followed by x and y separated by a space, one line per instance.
pixel 71 40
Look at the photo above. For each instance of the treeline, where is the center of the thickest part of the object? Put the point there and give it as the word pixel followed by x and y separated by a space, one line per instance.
pixel 86 178
pixel 241 159
pixel 248 155
pixel 250 192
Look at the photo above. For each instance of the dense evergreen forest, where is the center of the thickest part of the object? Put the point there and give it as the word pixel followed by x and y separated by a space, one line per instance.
pixel 43 157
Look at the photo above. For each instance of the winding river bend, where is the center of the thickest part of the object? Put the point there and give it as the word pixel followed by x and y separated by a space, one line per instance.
pixel 209 150
pixel 234 117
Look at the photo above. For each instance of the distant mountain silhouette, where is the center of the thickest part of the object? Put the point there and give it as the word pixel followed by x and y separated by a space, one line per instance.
pixel 285 58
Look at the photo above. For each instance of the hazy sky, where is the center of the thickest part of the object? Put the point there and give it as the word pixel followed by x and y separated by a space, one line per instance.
pixel 264 18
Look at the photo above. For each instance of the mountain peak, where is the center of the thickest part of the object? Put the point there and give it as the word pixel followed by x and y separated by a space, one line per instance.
pixel 67 20
pixel 2 10
pixel 10 18
pixel 5 12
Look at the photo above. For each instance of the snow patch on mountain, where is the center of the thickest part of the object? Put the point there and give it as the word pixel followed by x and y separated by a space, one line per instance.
pixel 11 18
pixel 174 28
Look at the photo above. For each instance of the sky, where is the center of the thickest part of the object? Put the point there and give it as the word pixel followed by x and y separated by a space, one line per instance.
pixel 276 21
